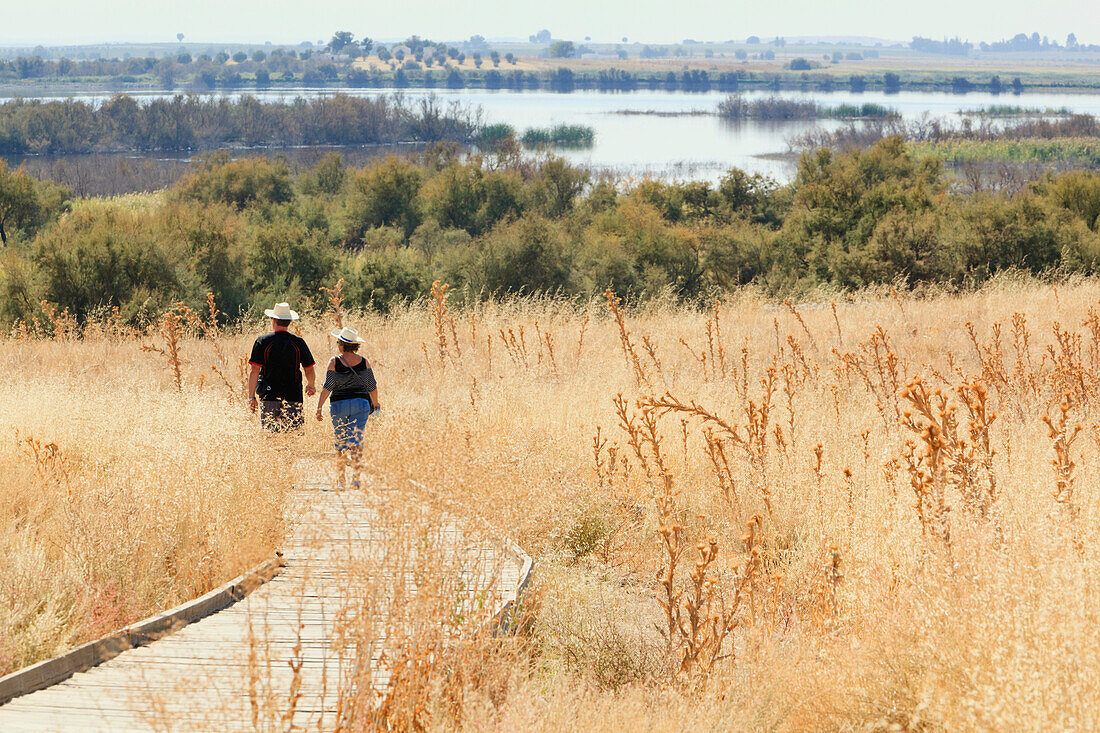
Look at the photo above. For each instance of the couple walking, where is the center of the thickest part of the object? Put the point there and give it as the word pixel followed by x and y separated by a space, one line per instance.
pixel 277 362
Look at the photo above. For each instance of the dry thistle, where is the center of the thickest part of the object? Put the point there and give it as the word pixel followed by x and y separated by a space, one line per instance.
pixel 1062 435
pixel 613 304
pixel 335 298
pixel 171 330
pixel 798 316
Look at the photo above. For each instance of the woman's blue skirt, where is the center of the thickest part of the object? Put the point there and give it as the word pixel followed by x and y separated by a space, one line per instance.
pixel 349 418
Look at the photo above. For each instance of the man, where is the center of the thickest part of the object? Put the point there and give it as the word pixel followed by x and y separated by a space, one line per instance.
pixel 275 376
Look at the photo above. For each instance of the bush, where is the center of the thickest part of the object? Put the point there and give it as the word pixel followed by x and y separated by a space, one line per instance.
pixel 239 183
pixel 526 256
pixel 565 136
pixel 452 197
pixel 107 258
pixel 493 136
pixel 385 194
pixel 287 259
pixel 27 204
pixel 380 278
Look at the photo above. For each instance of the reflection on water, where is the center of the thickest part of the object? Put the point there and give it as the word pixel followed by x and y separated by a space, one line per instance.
pixel 674 144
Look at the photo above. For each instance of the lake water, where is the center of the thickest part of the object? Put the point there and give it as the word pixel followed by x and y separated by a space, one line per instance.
pixel 673 144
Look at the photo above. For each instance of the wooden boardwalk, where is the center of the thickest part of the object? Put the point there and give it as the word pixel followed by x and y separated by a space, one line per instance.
pixel 234 670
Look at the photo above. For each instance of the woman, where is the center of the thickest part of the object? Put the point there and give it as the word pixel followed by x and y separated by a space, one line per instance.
pixel 354 396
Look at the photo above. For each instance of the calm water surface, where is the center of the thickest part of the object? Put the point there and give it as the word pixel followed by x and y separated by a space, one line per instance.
pixel 674 144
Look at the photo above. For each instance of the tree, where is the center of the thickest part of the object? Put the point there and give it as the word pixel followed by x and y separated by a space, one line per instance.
pixel 183 58
pixel 340 41
pixel 510 58
pixel 384 195
pixel 891 82
pixel 562 50
pixel 26 204
pixel 477 60
pixel 383 53
pixel 494 56
pixel 367 44
pixel 240 57
pixel 561 184
pixel 542 36
pixel 238 183
pixel 259 56
pixel 18 200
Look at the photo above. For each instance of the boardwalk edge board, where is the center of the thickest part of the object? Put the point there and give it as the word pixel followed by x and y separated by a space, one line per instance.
pixel 505 621
pixel 84 657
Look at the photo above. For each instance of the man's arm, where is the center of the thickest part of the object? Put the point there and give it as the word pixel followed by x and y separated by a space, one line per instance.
pixel 307 367
pixel 253 377
pixel 311 379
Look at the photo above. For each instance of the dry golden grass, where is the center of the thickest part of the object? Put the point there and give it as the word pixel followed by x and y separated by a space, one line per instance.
pixel 844 589
pixel 121 496
pixel 836 545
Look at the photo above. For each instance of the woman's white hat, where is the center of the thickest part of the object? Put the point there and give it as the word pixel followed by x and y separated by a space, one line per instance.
pixel 281 311
pixel 347 335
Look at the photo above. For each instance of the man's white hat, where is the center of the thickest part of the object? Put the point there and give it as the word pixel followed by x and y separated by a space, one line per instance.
pixel 282 312
pixel 347 335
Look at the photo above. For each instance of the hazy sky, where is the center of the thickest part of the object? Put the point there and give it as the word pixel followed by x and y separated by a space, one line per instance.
pixel 291 21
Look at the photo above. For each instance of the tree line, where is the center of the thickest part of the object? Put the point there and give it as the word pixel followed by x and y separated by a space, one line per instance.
pixel 196 123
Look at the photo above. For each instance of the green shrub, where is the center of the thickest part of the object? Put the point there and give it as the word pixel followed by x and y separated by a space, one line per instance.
pixel 239 183
pixel 27 204
pixel 384 194
pixel 589 533
pixel 287 259
pixel 562 136
pixel 379 278
pixel 526 256
pixel 94 259
pixel 491 137
pixel 453 197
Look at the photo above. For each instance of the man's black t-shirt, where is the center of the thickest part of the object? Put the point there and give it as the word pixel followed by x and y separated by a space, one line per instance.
pixel 279 355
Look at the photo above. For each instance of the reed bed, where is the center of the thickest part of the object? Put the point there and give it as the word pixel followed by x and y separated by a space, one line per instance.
pixel 559 136
pixel 737 107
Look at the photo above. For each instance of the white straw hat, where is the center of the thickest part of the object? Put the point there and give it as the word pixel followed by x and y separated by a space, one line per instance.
pixel 347 335
pixel 281 311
